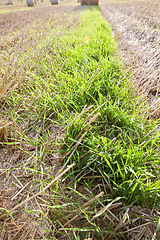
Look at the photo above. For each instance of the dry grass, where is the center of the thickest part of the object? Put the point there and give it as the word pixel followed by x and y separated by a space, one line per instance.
pixel 136 26
pixel 19 183
pixel 20 186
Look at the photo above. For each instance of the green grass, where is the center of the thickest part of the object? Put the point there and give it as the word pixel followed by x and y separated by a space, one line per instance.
pixel 90 74
pixel 14 10
pixel 113 144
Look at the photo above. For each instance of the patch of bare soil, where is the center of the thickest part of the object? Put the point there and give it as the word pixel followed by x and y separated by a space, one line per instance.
pixel 137 25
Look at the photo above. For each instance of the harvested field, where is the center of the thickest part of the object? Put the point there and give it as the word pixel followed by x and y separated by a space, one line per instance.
pixel 14 20
pixel 136 25
pixel 21 31
pixel 45 82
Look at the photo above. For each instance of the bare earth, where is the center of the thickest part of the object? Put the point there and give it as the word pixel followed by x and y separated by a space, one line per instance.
pixel 137 26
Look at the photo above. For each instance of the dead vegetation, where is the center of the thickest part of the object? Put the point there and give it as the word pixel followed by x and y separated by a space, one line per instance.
pixel 136 26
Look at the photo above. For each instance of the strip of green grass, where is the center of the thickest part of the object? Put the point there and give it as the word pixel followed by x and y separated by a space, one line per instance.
pixel 83 70
pixel 120 150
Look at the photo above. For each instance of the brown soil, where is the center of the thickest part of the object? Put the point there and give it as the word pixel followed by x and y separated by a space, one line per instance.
pixel 137 26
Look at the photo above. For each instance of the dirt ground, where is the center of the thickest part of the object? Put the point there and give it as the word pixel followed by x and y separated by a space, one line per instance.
pixel 136 25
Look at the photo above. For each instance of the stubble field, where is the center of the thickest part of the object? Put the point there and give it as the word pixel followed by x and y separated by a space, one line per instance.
pixel 67 99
